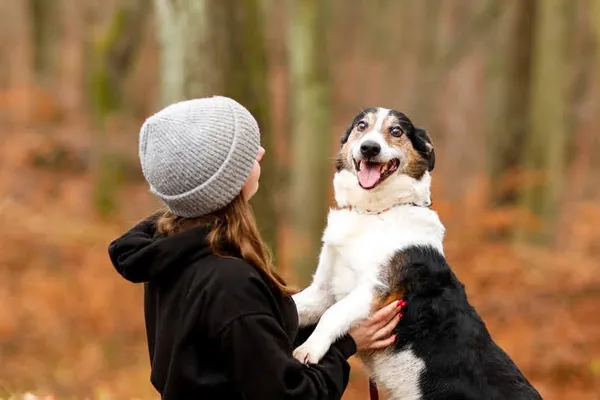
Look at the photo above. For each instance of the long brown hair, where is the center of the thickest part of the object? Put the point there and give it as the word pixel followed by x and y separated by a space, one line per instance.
pixel 233 225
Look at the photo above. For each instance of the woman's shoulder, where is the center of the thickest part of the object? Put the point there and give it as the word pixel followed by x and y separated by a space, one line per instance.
pixel 232 286
pixel 227 271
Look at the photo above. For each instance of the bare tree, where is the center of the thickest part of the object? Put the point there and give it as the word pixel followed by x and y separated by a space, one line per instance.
pixel 72 68
pixel 114 53
pixel 546 144
pixel 15 34
pixel 45 25
pixel 596 22
pixel 311 124
pixel 184 39
pixel 197 35
pixel 508 82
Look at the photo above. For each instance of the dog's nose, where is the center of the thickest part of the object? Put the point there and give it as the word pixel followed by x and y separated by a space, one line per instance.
pixel 370 148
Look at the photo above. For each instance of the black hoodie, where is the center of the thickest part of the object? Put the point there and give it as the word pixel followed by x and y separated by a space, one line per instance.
pixel 216 327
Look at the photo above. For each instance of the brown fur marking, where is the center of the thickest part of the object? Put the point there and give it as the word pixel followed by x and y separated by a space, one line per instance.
pixel 414 164
pixel 392 277
pixel 383 301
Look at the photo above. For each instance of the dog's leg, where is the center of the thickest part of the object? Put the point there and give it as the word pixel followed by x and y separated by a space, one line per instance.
pixel 317 297
pixel 336 322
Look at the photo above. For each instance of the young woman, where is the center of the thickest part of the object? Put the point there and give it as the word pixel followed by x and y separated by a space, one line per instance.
pixel 220 322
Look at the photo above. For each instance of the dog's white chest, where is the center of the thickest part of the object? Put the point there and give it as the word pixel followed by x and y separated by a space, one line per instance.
pixel 363 244
pixel 358 261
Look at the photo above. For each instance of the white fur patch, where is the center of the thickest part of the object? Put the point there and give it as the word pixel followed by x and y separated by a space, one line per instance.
pixel 382 113
pixel 397 373
pixel 379 236
pixel 396 189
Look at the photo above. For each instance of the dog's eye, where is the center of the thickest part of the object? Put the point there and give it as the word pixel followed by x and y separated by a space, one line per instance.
pixel 396 131
pixel 361 126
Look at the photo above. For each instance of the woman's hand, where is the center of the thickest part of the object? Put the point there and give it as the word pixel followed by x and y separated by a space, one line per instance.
pixel 375 332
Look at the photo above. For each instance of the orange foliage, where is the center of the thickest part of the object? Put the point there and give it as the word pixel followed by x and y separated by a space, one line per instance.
pixel 31 103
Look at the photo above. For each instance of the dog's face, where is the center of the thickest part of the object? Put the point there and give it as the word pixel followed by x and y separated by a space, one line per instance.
pixel 381 143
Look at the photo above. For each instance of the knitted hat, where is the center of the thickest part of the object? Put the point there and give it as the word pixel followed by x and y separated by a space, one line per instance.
pixel 197 154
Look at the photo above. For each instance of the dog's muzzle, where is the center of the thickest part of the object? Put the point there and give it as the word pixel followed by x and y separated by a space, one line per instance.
pixel 370 149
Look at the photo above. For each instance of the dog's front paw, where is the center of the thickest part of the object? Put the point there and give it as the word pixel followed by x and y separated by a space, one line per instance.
pixel 310 352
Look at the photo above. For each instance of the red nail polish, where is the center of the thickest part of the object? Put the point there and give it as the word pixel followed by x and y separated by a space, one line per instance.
pixel 400 315
pixel 399 303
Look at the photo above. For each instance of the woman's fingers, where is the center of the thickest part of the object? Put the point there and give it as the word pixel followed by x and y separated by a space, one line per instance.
pixel 386 331
pixel 380 344
pixel 386 314
pixel 376 332
pixel 380 326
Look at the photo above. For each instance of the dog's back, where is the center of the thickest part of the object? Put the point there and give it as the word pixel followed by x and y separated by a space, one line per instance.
pixel 442 334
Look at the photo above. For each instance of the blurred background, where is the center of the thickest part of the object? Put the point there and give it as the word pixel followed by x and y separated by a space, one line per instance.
pixel 508 90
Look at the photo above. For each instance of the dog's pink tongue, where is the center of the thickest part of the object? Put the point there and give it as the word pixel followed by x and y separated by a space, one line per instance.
pixel 368 175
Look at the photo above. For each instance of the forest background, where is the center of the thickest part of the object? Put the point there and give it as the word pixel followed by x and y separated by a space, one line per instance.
pixel 508 90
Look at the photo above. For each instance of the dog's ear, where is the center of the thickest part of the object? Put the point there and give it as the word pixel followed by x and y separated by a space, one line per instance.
pixel 422 143
pixel 347 134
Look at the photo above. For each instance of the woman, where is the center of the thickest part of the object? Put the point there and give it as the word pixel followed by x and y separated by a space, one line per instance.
pixel 220 322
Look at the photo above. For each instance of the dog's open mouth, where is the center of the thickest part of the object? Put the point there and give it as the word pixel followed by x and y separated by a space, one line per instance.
pixel 371 174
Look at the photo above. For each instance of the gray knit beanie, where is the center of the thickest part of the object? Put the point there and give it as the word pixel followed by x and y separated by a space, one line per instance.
pixel 197 154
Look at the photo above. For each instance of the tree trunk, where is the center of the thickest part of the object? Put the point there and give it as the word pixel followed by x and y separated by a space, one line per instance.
pixel 72 69
pixel 473 31
pixel 311 125
pixel 275 26
pixel 595 21
pixel 548 129
pixel 46 34
pixel 426 55
pixel 114 54
pixel 509 71
pixel 219 47
pixel 245 79
pixel 185 50
pixel 16 62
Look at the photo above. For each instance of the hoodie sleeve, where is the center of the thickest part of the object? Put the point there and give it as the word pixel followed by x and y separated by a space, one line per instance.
pixel 258 357
pixel 238 311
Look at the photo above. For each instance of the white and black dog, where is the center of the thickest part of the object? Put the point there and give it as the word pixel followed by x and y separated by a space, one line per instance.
pixel 384 243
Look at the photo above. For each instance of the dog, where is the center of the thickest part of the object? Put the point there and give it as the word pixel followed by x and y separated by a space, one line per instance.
pixel 383 243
